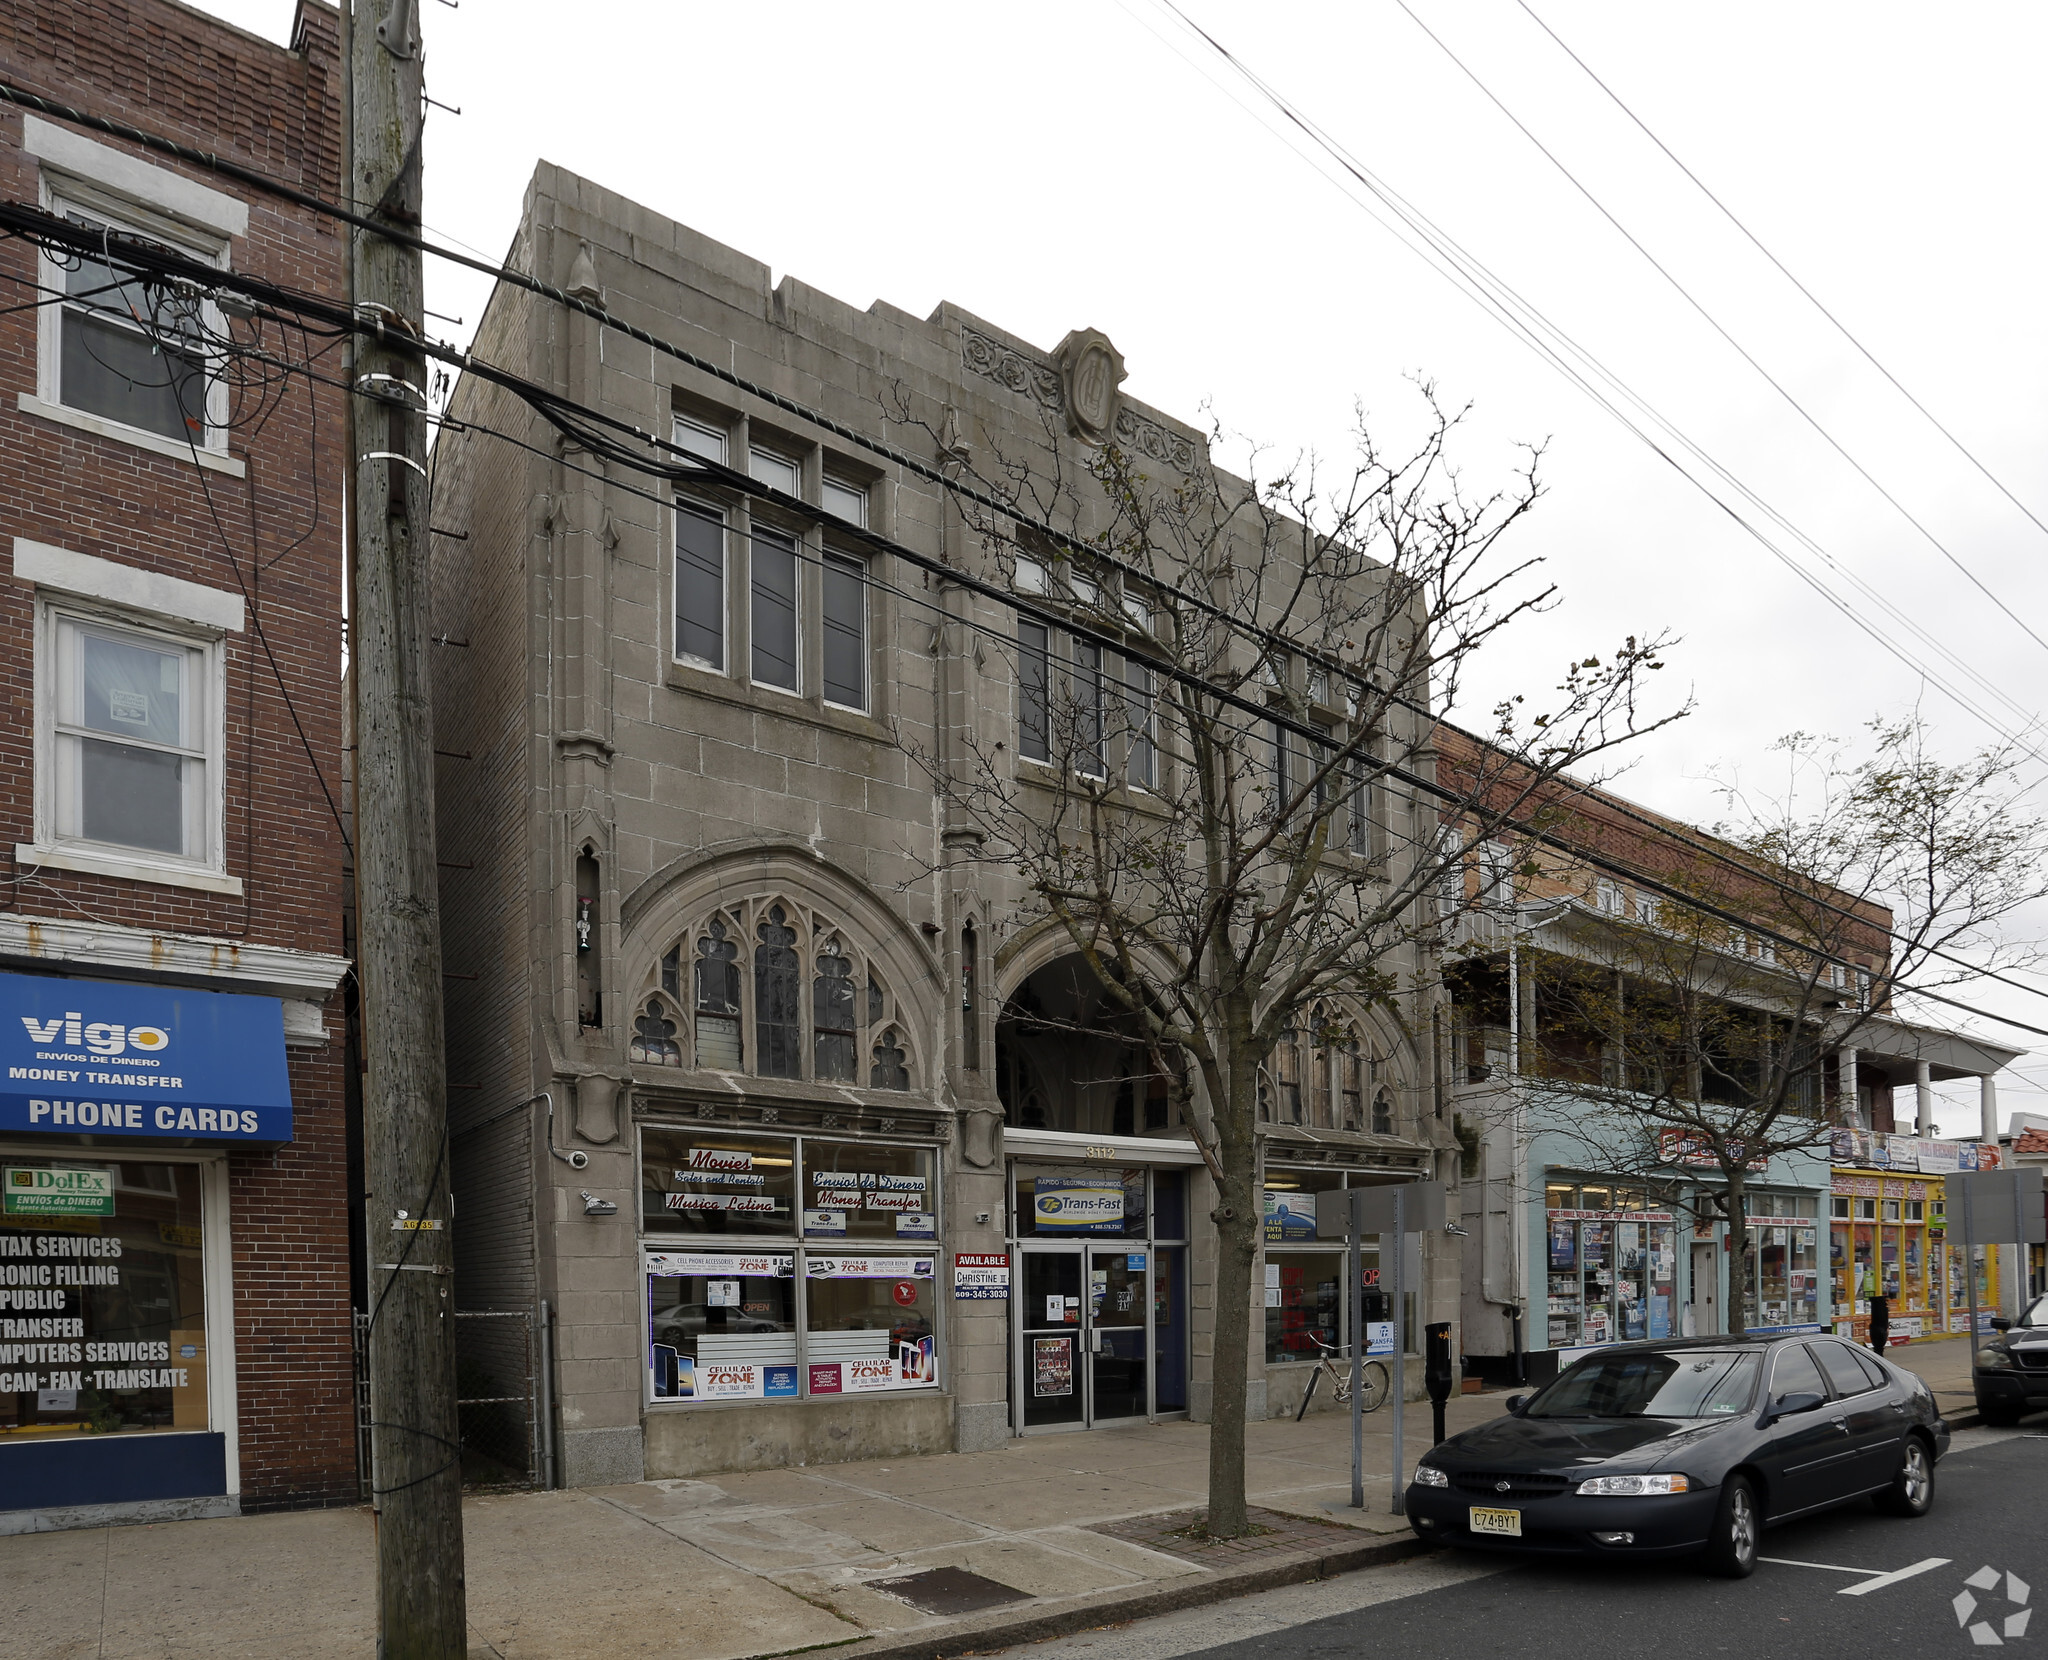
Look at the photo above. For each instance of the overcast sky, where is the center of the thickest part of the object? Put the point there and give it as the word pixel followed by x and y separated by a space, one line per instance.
pixel 1060 165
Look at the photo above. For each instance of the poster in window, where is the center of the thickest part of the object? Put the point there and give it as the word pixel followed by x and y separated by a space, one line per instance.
pixel 1052 1366
pixel 1563 1245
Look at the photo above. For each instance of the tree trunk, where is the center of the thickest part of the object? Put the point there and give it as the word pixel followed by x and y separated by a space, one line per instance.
pixel 1237 1242
pixel 1738 1251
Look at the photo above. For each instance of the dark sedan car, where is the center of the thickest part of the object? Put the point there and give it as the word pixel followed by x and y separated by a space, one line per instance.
pixel 2012 1366
pixel 1650 1449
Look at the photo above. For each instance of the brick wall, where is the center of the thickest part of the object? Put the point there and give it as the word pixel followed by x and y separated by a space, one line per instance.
pixel 273 536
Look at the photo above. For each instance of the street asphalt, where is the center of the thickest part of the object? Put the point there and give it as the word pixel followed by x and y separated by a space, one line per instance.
pixel 1815 1601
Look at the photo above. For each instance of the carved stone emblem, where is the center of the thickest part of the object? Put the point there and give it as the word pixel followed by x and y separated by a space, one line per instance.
pixel 1091 370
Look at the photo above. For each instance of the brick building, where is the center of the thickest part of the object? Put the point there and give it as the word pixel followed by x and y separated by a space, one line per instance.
pixel 174 1263
pixel 746 1050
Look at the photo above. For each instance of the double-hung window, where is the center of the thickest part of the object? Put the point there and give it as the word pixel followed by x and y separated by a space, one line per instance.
pixel 846 630
pixel 1088 757
pixel 1034 692
pixel 774 566
pixel 130 729
pixel 131 351
pixel 700 585
pixel 1141 765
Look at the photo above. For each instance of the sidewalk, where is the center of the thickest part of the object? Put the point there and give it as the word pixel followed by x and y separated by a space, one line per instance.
pixel 1051 1533
pixel 1945 1363
pixel 899 1558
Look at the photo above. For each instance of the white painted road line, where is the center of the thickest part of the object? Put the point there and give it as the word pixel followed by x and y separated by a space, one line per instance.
pixel 1882 1580
pixel 1825 1567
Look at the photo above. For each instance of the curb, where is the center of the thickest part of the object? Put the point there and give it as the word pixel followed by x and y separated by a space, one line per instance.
pixel 1005 1629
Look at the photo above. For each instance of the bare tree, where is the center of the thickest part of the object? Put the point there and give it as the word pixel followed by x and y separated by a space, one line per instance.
pixel 1685 1044
pixel 1222 793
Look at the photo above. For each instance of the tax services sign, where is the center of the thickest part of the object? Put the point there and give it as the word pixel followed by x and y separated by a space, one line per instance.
pixel 96 1057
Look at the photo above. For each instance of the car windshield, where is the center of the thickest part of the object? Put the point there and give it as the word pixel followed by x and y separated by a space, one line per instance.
pixel 2036 1316
pixel 1686 1383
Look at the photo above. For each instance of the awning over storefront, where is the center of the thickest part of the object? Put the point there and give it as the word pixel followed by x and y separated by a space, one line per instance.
pixel 103 1058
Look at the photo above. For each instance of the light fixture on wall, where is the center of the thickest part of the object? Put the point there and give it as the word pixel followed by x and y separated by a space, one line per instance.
pixel 594 1206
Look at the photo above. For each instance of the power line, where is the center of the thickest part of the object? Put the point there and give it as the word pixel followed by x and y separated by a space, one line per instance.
pixel 1543 336
pixel 1716 325
pixel 1841 327
pixel 46 228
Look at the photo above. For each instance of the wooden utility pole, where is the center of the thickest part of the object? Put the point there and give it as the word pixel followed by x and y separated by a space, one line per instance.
pixel 415 1453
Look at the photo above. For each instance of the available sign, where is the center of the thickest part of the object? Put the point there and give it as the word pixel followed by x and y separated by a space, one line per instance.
pixel 26 1190
pixel 101 1058
pixel 981 1276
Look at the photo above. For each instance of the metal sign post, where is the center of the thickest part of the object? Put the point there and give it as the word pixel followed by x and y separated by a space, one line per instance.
pixel 1355 1267
pixel 1397 1381
pixel 1392 1211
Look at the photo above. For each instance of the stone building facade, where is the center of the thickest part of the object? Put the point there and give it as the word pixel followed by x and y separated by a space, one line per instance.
pixel 174 1266
pixel 716 955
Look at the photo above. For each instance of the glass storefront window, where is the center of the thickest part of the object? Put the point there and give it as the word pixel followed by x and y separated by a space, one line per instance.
pixel 1304 1303
pixel 1080 1201
pixel 717 1182
pixel 721 1327
pixel 869 1324
pixel 102 1298
pixel 1169 1204
pixel 858 1190
pixel 1290 1203
pixel 1612 1271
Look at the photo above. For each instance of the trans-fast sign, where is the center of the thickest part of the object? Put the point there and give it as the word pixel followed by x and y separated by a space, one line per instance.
pixel 101 1058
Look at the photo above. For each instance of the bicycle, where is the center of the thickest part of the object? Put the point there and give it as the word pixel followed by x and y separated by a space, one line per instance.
pixel 1373 1380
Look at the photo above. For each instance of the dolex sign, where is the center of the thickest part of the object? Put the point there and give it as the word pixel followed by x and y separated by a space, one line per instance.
pixel 28 1191
pixel 99 1058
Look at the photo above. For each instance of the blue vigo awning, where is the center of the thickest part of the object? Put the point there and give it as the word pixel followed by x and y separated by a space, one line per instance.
pixel 106 1058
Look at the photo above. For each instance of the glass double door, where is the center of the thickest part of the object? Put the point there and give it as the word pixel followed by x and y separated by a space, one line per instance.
pixel 1085 1341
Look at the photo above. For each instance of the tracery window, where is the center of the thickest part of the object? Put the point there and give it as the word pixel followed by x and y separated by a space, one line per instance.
pixel 816 1006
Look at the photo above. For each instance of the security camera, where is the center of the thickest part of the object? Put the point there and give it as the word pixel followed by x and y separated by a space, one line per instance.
pixel 594 1206
pixel 578 1159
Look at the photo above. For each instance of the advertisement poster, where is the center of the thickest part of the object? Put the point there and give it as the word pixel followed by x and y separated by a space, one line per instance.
pixel 860 1377
pixel 1379 1337
pixel 825 1224
pixel 1660 1314
pixel 981 1276
pixel 1290 1216
pixel 1563 1245
pixel 825 1379
pixel 917 1225
pixel 1078 1204
pixel 668 1265
pixel 916 1363
pixel 1052 1366
pixel 871 1268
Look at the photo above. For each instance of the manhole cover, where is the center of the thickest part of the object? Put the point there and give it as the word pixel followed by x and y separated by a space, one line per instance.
pixel 948 1591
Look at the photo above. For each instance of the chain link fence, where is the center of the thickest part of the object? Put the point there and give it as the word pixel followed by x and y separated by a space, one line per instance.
pixel 497 1377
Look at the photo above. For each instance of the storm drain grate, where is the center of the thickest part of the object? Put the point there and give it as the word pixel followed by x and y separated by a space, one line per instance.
pixel 947 1591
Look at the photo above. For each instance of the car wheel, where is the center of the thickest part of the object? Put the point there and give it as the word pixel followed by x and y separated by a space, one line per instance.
pixel 1912 1490
pixel 1998 1414
pixel 1738 1521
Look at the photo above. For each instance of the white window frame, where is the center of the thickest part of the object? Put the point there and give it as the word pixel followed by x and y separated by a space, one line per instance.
pixel 867 675
pixel 851 495
pixel 700 438
pixel 802 556
pixel 208 871
pixel 62 195
pixel 775 459
pixel 693 504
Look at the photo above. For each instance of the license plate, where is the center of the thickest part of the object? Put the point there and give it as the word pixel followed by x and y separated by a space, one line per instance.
pixel 1507 1522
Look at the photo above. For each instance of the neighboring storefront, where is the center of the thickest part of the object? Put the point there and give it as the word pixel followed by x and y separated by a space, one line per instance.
pixel 1888 1237
pixel 119 1107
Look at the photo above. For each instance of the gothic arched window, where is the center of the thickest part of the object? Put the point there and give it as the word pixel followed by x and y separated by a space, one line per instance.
pixel 654 1036
pixel 1382 1111
pixel 846 1029
pixel 778 1024
pixel 718 1000
pixel 832 1017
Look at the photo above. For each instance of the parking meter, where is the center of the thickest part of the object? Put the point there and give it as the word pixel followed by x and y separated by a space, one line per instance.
pixel 1437 1368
